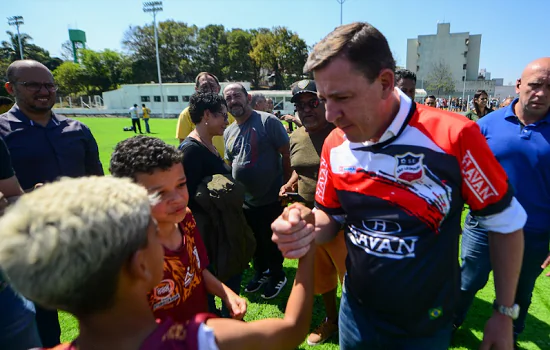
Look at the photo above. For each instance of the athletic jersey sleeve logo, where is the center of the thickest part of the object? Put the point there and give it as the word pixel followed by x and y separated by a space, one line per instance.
pixel 476 180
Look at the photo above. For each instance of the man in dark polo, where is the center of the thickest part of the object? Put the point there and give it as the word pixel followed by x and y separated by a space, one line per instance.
pixel 44 146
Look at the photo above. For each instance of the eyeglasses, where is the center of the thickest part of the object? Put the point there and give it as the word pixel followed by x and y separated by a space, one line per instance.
pixel 35 87
pixel 224 115
pixel 313 103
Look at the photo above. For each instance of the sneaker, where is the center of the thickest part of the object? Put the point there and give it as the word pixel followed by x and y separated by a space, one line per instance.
pixel 274 286
pixel 323 332
pixel 259 279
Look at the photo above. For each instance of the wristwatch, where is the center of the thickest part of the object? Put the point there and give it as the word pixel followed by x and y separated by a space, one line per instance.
pixel 512 312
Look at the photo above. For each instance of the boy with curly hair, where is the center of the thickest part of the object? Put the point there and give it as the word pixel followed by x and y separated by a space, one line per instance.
pixel 182 293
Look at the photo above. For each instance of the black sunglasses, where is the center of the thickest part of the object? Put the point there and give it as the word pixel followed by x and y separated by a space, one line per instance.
pixel 35 87
pixel 313 103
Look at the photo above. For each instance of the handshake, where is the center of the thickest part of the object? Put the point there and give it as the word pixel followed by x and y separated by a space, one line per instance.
pixel 294 231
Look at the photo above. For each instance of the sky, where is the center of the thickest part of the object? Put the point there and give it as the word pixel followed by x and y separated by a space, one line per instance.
pixel 513 33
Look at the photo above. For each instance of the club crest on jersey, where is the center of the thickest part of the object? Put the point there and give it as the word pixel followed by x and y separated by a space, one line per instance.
pixel 409 167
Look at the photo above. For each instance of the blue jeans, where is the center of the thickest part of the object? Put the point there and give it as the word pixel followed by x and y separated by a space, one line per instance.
pixel 476 266
pixel 146 121
pixel 234 283
pixel 358 331
pixel 17 322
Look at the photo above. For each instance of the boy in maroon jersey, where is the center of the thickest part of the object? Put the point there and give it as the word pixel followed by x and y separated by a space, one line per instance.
pixel 181 294
pixel 90 246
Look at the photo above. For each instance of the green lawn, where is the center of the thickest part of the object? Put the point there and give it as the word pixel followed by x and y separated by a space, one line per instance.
pixel 108 131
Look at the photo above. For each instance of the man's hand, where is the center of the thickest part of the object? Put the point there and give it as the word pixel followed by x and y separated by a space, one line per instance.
pixel 293 231
pixel 287 188
pixel 545 264
pixel 498 333
pixel 3 203
pixel 236 306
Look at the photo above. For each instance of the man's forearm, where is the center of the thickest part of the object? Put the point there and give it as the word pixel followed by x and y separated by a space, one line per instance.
pixel 293 179
pixel 326 228
pixel 506 259
pixel 287 169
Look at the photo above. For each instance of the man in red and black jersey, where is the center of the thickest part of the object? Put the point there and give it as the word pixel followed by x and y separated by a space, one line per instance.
pixel 397 175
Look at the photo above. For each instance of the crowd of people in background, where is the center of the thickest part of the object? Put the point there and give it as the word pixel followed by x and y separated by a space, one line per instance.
pixel 367 192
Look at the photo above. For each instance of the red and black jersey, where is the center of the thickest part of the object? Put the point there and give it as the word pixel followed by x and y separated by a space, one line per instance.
pixel 401 202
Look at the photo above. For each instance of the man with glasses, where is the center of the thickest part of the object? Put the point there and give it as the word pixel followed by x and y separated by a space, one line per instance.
pixel 305 151
pixel 44 146
pixel 430 101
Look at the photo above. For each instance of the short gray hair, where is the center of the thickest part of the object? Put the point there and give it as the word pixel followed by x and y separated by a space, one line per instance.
pixel 64 244
pixel 257 97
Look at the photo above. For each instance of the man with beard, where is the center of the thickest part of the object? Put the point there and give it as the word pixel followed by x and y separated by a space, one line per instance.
pixel 257 148
pixel 44 146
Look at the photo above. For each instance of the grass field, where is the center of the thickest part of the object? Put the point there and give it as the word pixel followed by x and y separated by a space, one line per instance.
pixel 108 131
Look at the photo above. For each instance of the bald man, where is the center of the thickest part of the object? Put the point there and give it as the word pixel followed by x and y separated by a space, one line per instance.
pixel 518 136
pixel 44 146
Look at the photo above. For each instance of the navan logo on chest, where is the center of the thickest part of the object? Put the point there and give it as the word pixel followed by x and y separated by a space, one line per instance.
pixel 347 169
pixel 164 289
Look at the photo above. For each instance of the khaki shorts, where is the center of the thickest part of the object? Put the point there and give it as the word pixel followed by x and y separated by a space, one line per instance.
pixel 330 264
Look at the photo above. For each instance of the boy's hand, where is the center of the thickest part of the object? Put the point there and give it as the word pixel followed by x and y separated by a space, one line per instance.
pixel 236 306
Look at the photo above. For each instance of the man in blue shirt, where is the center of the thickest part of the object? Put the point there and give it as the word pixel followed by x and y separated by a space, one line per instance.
pixel 17 320
pixel 519 136
pixel 44 146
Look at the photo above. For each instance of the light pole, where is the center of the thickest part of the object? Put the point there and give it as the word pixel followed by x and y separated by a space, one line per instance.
pixel 341 9
pixel 464 88
pixel 17 21
pixel 154 7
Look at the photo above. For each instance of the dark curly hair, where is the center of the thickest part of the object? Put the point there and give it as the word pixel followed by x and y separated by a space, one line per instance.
pixel 203 101
pixel 142 154
pixel 404 74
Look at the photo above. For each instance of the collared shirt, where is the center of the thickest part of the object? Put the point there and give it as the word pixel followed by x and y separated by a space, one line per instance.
pixel 401 202
pixel 524 153
pixel 64 147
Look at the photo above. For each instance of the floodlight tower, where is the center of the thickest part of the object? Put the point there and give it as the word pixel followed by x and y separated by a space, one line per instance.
pixel 154 7
pixel 17 21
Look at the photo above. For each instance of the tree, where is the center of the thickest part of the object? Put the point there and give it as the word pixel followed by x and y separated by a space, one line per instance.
pixel 70 77
pixel 10 48
pixel 177 46
pixel 240 66
pixel 104 70
pixel 9 51
pixel 440 79
pixel 282 52
pixel 211 54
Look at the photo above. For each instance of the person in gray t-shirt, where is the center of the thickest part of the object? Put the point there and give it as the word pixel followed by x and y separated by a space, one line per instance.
pixel 257 147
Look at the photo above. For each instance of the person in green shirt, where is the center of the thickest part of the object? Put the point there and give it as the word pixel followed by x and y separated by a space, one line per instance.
pixel 480 106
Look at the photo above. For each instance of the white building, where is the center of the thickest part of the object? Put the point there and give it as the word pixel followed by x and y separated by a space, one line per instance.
pixel 459 51
pixel 176 98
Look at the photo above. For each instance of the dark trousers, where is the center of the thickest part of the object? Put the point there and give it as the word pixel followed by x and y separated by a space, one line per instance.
pixel 47 323
pixel 267 255
pixel 234 283
pixel 476 266
pixel 136 122
pixel 357 332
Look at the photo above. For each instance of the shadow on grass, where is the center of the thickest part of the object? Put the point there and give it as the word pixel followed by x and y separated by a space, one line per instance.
pixel 536 331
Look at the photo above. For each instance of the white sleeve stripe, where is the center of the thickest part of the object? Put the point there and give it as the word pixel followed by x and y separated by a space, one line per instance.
pixel 206 338
pixel 507 221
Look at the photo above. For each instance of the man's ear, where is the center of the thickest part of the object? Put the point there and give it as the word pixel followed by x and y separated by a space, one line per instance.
pixel 387 78
pixel 518 83
pixel 10 88
pixel 138 267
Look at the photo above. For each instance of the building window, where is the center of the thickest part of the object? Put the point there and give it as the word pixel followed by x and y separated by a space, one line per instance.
pixel 145 98
pixel 172 98
pixel 465 53
pixel 417 68
pixel 463 78
pixel 464 66
pixel 156 98
pixel 467 42
pixel 185 98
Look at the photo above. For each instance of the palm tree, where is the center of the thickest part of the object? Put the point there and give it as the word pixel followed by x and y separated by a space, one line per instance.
pixel 9 49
